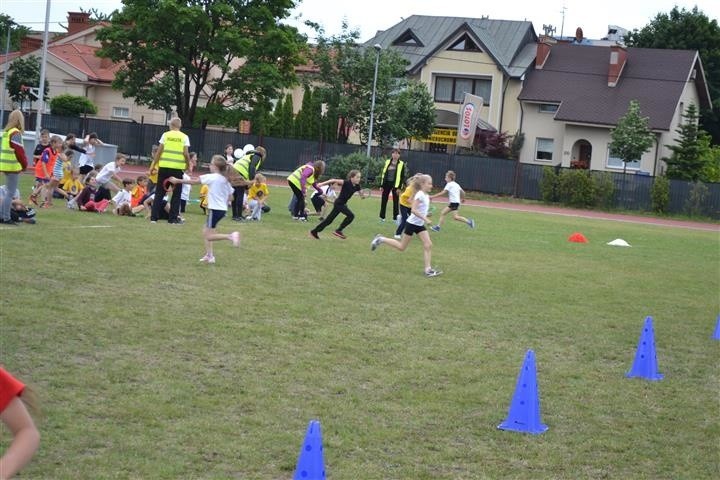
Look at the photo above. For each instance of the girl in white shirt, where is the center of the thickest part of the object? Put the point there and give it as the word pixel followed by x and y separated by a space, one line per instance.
pixel 219 195
pixel 456 196
pixel 415 225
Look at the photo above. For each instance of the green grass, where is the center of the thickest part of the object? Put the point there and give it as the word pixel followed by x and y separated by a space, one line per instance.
pixel 150 365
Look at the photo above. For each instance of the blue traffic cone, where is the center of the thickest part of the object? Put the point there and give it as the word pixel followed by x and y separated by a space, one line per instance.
pixel 646 364
pixel 524 414
pixel 716 335
pixel 310 465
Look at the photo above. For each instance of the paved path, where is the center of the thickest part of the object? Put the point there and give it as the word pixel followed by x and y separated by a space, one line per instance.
pixel 542 209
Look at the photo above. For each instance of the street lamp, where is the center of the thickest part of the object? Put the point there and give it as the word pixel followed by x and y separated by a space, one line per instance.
pixel 377 48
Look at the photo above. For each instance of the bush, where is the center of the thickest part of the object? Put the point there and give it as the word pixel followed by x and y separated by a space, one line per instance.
pixel 339 166
pixel 576 188
pixel 548 185
pixel 660 194
pixel 695 203
pixel 604 190
pixel 71 106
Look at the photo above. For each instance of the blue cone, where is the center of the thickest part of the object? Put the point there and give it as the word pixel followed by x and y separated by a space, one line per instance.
pixel 646 364
pixel 716 335
pixel 524 414
pixel 310 465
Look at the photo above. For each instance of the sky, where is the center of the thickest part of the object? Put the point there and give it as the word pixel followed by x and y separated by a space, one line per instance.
pixel 369 16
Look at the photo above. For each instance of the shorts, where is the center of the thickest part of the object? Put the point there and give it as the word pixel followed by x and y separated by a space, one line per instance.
pixel 214 217
pixel 42 180
pixel 453 206
pixel 317 202
pixel 412 229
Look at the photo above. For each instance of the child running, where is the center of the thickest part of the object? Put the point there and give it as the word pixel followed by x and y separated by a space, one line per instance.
pixel 415 225
pixel 219 194
pixel 456 196
pixel 348 189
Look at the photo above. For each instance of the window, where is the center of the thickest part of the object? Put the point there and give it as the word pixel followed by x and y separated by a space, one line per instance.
pixel 408 39
pixel 544 149
pixel 465 44
pixel 453 89
pixel 121 112
pixel 616 162
pixel 548 108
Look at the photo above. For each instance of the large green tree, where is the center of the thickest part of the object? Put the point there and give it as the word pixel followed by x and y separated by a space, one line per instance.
pixel 25 72
pixel 691 152
pixel 230 52
pixel 688 30
pixel 631 137
pixel 17 32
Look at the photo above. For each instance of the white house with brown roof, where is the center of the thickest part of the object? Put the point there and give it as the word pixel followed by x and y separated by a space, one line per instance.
pixel 576 94
pixel 73 68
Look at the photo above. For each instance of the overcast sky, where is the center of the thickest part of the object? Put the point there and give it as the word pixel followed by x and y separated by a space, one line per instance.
pixel 369 16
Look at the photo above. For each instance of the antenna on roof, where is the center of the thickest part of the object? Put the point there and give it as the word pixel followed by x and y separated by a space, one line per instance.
pixel 549 30
pixel 562 25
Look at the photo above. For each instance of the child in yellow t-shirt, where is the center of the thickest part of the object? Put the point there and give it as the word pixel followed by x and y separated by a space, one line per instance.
pixel 406 199
pixel 72 184
pixel 257 196
pixel 203 198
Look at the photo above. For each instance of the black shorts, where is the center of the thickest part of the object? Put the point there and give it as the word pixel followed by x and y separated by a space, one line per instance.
pixel 412 229
pixel 453 206
pixel 318 202
pixel 214 218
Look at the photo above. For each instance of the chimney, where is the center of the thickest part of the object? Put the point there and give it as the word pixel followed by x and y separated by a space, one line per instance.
pixel 543 51
pixel 77 22
pixel 29 44
pixel 618 57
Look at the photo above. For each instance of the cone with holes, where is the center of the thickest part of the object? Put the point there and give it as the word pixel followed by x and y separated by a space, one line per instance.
pixel 524 414
pixel 310 465
pixel 646 364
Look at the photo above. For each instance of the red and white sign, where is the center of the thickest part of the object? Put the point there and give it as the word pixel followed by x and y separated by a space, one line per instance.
pixel 467 123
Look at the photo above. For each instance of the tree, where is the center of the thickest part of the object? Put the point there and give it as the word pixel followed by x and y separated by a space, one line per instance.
pixel 17 32
pixel 235 53
pixel 688 30
pixel 72 106
pixel 414 108
pixel 25 72
pixel 690 154
pixel 632 136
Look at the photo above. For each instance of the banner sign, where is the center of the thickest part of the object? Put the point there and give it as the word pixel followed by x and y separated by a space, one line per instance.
pixel 468 120
pixel 443 136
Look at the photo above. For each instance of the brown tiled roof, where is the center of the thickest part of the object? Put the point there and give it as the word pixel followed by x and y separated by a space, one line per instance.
pixel 83 58
pixel 576 77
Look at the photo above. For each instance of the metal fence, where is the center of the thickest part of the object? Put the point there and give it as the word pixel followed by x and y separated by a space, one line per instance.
pixel 482 174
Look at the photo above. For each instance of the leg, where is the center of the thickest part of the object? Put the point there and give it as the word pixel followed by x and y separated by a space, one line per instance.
pixel 444 212
pixel 459 218
pixel 384 199
pixel 157 205
pixel 427 248
pixel 237 200
pixel 404 214
pixel 175 199
pixel 11 184
pixel 396 202
pixel 349 217
pixel 328 220
pixel 399 245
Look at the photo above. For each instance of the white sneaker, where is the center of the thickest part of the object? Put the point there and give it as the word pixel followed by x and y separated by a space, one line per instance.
pixel 235 239
pixel 432 273
pixel 207 259
pixel 397 237
pixel 375 242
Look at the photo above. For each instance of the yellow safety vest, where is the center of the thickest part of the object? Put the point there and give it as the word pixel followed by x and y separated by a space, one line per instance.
pixel 294 177
pixel 398 171
pixel 8 160
pixel 172 155
pixel 242 166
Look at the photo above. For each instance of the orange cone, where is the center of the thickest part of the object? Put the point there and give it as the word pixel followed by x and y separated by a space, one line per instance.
pixel 577 238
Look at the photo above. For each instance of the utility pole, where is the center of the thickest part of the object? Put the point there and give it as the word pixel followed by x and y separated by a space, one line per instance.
pixel 562 25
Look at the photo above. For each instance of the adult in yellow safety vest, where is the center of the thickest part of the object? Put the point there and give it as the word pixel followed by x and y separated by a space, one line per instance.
pixel 304 175
pixel 392 176
pixel 244 174
pixel 12 161
pixel 171 159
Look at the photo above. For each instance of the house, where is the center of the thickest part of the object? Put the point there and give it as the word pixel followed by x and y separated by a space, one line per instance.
pixel 575 94
pixel 73 68
pixel 453 55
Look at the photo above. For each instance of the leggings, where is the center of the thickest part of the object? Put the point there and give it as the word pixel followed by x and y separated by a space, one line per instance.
pixel 337 209
pixel 299 211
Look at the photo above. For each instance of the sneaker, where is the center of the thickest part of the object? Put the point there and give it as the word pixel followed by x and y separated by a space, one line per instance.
pixel 432 273
pixel 382 220
pixel 375 242
pixel 302 219
pixel 314 235
pixel 339 234
pixel 72 204
pixel 435 228
pixel 235 239
pixel 471 223
pixel 208 259
pixel 237 219
pixel 397 237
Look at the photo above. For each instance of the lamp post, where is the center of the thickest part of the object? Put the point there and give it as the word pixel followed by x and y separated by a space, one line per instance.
pixel 377 48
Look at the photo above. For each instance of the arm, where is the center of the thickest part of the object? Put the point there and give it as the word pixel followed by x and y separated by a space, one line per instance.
pixel 252 168
pixel 44 160
pixel 186 154
pixel 332 181
pixel 440 193
pixel 462 195
pixel 26 438
pixel 17 146
pixel 189 181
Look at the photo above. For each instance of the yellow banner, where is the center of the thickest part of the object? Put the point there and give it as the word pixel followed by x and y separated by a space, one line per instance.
pixel 443 136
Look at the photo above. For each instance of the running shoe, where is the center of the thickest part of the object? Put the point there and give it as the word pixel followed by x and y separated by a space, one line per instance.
pixel 471 223
pixel 435 228
pixel 375 242
pixel 208 259
pixel 339 234
pixel 432 273
pixel 314 235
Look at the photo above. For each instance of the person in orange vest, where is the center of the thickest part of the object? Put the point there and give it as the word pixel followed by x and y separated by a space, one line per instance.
pixel 171 159
pixel 12 160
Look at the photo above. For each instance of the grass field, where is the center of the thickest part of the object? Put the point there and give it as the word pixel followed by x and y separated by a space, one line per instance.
pixel 150 365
